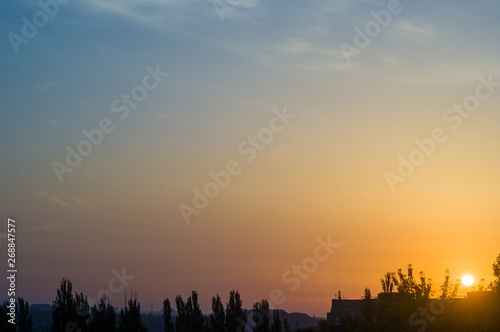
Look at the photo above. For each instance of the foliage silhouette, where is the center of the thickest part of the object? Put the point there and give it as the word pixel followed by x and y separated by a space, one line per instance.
pixel 167 316
pixel 129 319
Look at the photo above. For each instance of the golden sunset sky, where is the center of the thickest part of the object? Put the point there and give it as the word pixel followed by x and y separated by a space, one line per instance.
pixel 269 88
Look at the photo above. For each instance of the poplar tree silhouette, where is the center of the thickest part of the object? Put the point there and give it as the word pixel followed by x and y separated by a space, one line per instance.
pixel 64 308
pixel 197 315
pixel 189 316
pixel 82 312
pixel 129 319
pixel 235 315
pixel 24 319
pixel 387 282
pixel 4 318
pixel 217 318
pixel 182 321
pixel 276 326
pixel 103 317
pixel 167 316
pixel 260 316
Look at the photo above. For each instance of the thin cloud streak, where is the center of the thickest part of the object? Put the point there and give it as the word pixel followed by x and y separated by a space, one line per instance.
pixel 71 202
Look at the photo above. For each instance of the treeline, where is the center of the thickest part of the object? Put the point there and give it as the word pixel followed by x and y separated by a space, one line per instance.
pixel 231 319
pixel 71 312
pixel 405 304
pixel 15 315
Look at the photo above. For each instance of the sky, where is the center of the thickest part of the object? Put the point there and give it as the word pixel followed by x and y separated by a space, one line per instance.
pixel 280 147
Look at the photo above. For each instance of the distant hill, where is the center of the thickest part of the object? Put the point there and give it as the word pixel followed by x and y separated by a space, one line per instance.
pixel 42 316
pixel 154 321
pixel 298 319
pixel 41 307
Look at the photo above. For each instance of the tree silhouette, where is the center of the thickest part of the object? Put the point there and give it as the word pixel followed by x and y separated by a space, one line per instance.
pixel 129 319
pixel 481 287
pixel 4 318
pixel 456 287
pixel 217 323
pixel 276 326
pixel 189 316
pixel 495 286
pixel 394 309
pixel 407 285
pixel 496 272
pixel 64 308
pixel 235 316
pixel 167 316
pixel 82 312
pixel 182 321
pixel 424 288
pixel 446 286
pixel 387 282
pixel 197 316
pixel 260 316
pixel 24 319
pixel 103 317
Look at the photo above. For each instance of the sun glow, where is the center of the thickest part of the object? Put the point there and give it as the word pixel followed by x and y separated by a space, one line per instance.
pixel 467 280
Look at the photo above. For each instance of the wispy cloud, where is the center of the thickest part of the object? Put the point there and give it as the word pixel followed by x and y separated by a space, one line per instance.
pixel 155 14
pixel 296 52
pixel 48 85
pixel 412 29
pixel 51 199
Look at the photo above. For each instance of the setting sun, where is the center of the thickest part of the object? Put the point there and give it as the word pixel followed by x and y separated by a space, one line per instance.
pixel 467 280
